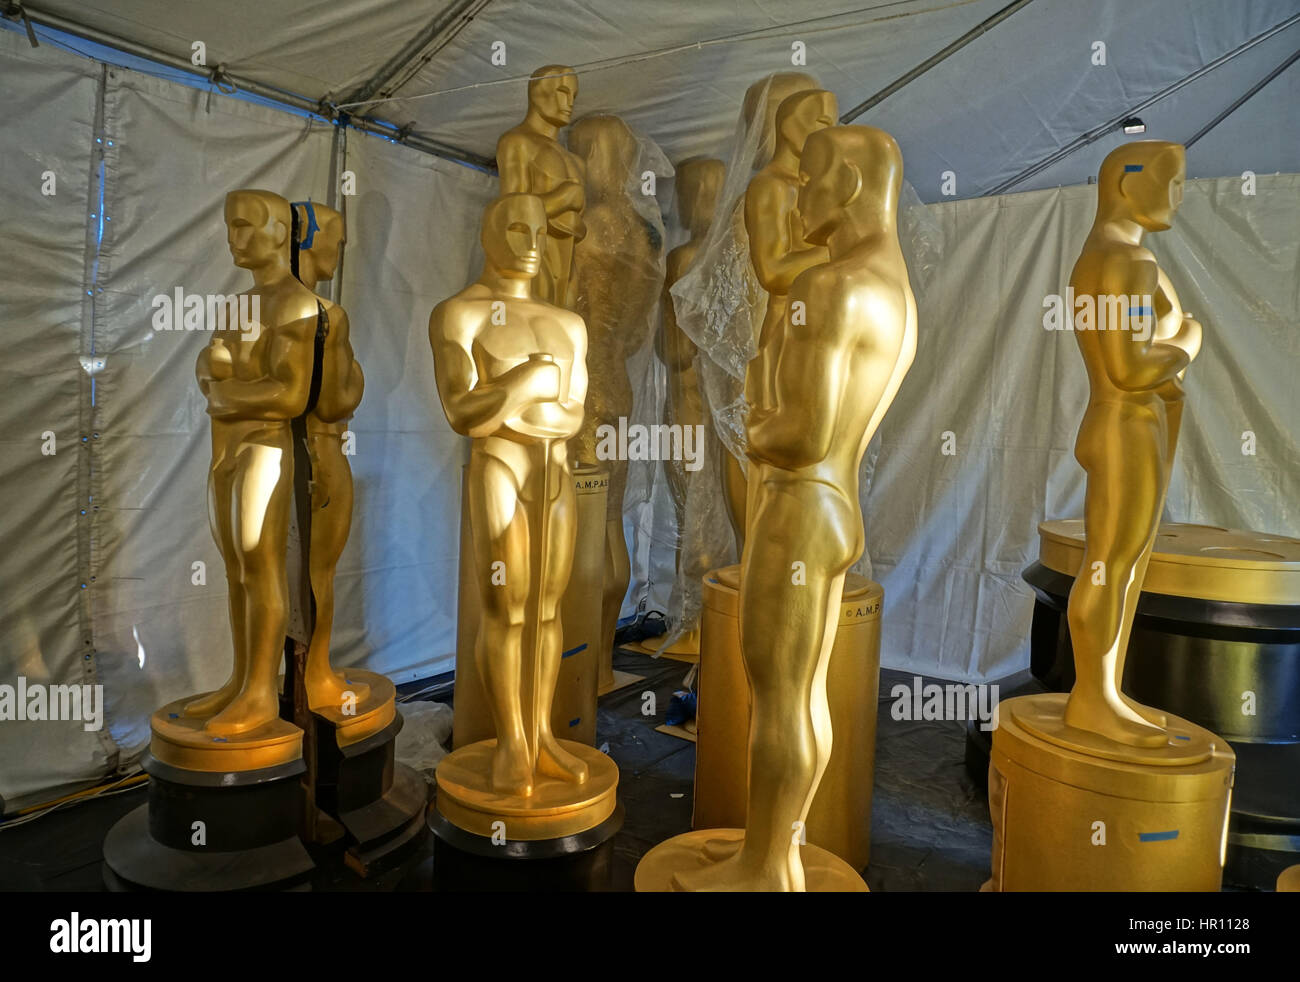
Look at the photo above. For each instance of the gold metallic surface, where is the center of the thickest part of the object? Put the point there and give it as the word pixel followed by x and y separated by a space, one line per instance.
pixel 575 687
pixel 341 387
pixel 840 817
pixel 615 285
pixel 824 872
pixel 554 808
pixel 778 250
pixel 1129 432
pixel 823 379
pixel 183 741
pixel 1065 820
pixel 511 374
pixel 1202 561
pixel 531 160
pixel 354 722
pixel 256 382
pixel 1288 881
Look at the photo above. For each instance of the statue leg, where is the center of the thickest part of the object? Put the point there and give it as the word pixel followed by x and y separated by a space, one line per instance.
pixel 789 615
pixel 1121 512
pixel 220 519
pixel 263 497
pixel 501 538
pixel 331 521
pixel 552 759
pixel 618 566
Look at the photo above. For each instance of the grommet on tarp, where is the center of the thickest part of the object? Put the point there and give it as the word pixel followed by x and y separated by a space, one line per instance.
pixel 14 11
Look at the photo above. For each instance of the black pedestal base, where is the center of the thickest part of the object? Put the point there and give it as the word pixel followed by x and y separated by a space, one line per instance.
pixel 465 862
pixel 211 832
pixel 379 802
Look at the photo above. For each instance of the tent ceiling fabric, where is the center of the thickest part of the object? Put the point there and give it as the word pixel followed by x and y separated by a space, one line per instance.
pixel 997 106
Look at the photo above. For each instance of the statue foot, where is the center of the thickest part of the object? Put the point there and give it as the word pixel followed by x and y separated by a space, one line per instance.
pixel 719 849
pixel 733 876
pixel 213 702
pixel 247 711
pixel 1117 723
pixel 331 690
pixel 554 761
pixel 1153 716
pixel 511 772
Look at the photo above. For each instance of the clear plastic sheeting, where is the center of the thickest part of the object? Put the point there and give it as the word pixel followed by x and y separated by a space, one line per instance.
pixel 425 736
pixel 619 275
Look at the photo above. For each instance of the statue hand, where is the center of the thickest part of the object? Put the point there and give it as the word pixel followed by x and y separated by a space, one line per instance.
pixel 220 362
pixel 1189 336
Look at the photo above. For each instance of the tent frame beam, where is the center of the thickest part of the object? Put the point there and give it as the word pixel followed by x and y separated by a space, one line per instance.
pixel 220 76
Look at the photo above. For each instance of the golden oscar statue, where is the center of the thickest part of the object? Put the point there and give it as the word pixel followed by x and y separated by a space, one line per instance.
pixel 698 187
pixel 1128 767
pixel 511 374
pixel 616 276
pixel 777 248
pixel 256 382
pixel 531 160
pixel 827 372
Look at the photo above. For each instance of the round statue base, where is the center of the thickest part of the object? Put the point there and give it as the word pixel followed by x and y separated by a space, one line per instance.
pixel 556 809
pixel 1068 820
pixel 824 872
pixel 209 831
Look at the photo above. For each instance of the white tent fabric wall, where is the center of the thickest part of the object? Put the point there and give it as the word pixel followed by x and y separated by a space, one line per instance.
pixel 949 535
pixel 43 305
pixel 412 242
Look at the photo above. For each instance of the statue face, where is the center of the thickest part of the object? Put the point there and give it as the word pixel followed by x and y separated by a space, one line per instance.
pixel 812 114
pixel 822 192
pixel 255 237
pixel 514 234
pixel 553 98
pixel 1158 197
pixel 325 248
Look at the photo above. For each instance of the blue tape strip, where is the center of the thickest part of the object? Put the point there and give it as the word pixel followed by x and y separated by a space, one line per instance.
pixel 575 721
pixel 312 226
pixel 1143 311
pixel 574 651
pixel 1130 168
pixel 1158 836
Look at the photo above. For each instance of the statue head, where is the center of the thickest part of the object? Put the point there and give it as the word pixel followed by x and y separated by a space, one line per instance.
pixel 552 91
pixel 698 184
pixel 513 235
pixel 848 173
pixel 1142 181
pixel 609 148
pixel 802 114
pixel 760 111
pixel 257 228
pixel 325 243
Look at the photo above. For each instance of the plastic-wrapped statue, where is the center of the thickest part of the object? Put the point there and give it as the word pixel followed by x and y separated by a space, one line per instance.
pixel 341 386
pixel 618 272
pixel 825 380
pixel 256 382
pixel 1129 432
pixel 531 160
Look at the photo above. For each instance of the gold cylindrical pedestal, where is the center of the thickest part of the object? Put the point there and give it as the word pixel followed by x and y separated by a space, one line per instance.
pixel 573 711
pixel 840 817
pixel 1067 820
